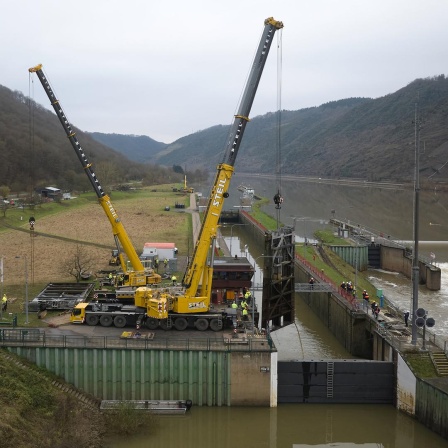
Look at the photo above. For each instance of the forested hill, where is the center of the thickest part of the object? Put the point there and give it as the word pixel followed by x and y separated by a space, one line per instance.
pixel 365 138
pixel 139 148
pixel 359 137
pixel 35 152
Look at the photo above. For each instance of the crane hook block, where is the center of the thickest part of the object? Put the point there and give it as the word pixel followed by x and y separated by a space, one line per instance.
pixel 278 200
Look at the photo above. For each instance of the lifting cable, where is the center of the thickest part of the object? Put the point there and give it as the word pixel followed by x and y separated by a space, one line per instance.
pixel 30 183
pixel 278 198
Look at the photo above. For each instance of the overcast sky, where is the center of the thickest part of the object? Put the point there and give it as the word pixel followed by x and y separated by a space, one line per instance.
pixel 167 69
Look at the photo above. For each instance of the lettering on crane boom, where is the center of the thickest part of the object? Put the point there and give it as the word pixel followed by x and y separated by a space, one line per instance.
pixel 219 191
pixel 112 210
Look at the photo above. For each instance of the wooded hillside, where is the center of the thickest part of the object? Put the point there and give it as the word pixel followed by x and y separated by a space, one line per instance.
pixel 358 137
pixel 365 138
pixel 34 151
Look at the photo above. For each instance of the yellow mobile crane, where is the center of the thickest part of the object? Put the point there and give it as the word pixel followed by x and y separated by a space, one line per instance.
pixel 139 276
pixel 190 305
pixel 187 189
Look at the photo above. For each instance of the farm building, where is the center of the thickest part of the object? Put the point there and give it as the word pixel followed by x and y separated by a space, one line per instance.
pixel 51 193
pixel 161 251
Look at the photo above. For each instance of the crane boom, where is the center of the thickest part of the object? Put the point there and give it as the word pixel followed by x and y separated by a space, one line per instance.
pixel 199 271
pixel 120 235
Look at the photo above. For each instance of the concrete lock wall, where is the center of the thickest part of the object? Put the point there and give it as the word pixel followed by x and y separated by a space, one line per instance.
pixel 251 379
pixel 348 326
pixel 211 378
pixel 395 259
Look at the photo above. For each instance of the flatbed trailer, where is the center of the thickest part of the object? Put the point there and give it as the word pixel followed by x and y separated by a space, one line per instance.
pixel 120 315
pixel 61 296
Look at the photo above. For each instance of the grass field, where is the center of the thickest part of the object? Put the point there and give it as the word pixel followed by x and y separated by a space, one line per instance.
pixel 82 220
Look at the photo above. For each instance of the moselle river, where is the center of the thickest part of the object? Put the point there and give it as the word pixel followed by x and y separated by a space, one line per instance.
pixel 288 426
pixel 389 211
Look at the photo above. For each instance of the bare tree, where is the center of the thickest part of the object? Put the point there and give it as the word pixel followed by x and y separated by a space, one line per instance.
pixel 4 191
pixel 78 263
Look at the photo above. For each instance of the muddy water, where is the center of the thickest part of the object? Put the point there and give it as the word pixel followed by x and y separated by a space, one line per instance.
pixel 288 426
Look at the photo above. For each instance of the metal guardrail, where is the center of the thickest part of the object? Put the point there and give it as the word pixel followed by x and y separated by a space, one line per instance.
pixel 321 279
pixel 363 233
pixel 315 287
pixel 19 335
pixel 38 338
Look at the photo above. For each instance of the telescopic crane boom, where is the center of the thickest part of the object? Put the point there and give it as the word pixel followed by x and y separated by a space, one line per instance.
pixel 139 277
pixel 197 281
pixel 199 271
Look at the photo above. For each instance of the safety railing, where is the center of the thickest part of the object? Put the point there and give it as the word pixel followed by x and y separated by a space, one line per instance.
pixel 340 294
pixel 37 338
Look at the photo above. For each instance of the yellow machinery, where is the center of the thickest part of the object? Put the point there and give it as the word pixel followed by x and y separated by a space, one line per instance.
pixel 139 276
pixel 187 189
pixel 190 304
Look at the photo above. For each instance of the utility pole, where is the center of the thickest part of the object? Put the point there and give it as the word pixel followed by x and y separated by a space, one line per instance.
pixel 1 290
pixel 415 266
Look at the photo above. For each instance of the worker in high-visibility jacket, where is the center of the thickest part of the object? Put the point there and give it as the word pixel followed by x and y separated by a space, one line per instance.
pixel 4 302
pixel 245 314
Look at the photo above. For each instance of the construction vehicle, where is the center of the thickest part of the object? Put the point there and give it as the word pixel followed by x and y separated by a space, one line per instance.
pixel 138 276
pixel 114 259
pixel 190 305
pixel 186 189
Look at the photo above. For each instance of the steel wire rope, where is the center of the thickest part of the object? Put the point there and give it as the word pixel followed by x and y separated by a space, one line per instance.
pixel 30 187
pixel 278 163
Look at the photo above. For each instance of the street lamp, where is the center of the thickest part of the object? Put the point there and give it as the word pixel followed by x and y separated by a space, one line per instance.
pixel 26 289
pixel 1 282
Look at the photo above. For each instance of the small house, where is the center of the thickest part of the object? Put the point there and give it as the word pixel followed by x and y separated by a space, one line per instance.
pixel 161 251
pixel 51 193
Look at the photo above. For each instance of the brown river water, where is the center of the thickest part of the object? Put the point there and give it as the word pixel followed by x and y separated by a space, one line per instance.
pixel 288 426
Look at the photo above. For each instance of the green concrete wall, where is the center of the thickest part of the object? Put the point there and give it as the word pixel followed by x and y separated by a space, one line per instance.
pixel 208 378
pixel 123 374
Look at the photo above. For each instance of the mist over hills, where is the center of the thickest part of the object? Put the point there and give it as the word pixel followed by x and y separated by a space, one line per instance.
pixel 365 138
